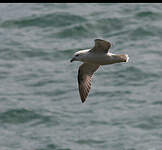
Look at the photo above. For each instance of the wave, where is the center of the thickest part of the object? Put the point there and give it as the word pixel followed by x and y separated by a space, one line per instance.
pixel 61 19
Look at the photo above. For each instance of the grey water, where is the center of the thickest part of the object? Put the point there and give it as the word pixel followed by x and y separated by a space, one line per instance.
pixel 40 107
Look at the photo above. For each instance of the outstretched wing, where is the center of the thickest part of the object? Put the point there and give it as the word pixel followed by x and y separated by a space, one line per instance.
pixel 85 73
pixel 101 46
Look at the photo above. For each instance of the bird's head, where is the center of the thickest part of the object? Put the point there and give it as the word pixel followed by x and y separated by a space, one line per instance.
pixel 79 56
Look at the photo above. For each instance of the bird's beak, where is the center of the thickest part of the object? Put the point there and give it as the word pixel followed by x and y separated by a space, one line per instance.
pixel 73 59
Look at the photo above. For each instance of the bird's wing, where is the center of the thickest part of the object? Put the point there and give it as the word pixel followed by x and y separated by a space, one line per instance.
pixel 101 46
pixel 85 73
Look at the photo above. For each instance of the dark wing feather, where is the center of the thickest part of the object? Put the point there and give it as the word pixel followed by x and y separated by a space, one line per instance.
pixel 101 46
pixel 85 73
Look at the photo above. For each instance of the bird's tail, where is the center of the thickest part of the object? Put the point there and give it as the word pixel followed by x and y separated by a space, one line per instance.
pixel 124 57
pixel 127 57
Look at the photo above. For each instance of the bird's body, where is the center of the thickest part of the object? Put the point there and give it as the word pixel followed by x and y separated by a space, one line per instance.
pixel 103 58
pixel 92 59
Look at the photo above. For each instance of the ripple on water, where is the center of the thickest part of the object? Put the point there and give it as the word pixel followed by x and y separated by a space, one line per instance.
pixel 133 75
pixel 48 20
pixel 148 15
pixel 19 116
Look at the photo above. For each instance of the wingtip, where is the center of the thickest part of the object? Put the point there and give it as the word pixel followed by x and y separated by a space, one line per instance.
pixel 83 100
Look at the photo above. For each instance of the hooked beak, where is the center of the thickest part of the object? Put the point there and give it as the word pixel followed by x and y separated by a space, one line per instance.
pixel 73 59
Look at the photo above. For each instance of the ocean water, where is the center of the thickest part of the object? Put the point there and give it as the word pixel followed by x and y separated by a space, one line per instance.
pixel 40 107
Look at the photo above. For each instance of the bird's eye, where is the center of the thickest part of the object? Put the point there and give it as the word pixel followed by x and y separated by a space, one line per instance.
pixel 77 55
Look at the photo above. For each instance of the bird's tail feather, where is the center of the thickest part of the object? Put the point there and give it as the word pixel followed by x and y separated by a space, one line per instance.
pixel 124 57
pixel 127 57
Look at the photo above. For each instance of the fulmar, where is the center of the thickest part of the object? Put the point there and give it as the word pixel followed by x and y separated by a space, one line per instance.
pixel 92 59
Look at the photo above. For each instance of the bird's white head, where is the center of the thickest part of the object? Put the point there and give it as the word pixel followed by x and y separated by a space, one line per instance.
pixel 80 55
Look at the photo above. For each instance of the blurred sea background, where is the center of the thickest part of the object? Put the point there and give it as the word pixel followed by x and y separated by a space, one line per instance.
pixel 40 107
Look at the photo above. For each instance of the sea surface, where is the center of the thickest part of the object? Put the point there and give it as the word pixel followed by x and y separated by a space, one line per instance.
pixel 40 106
